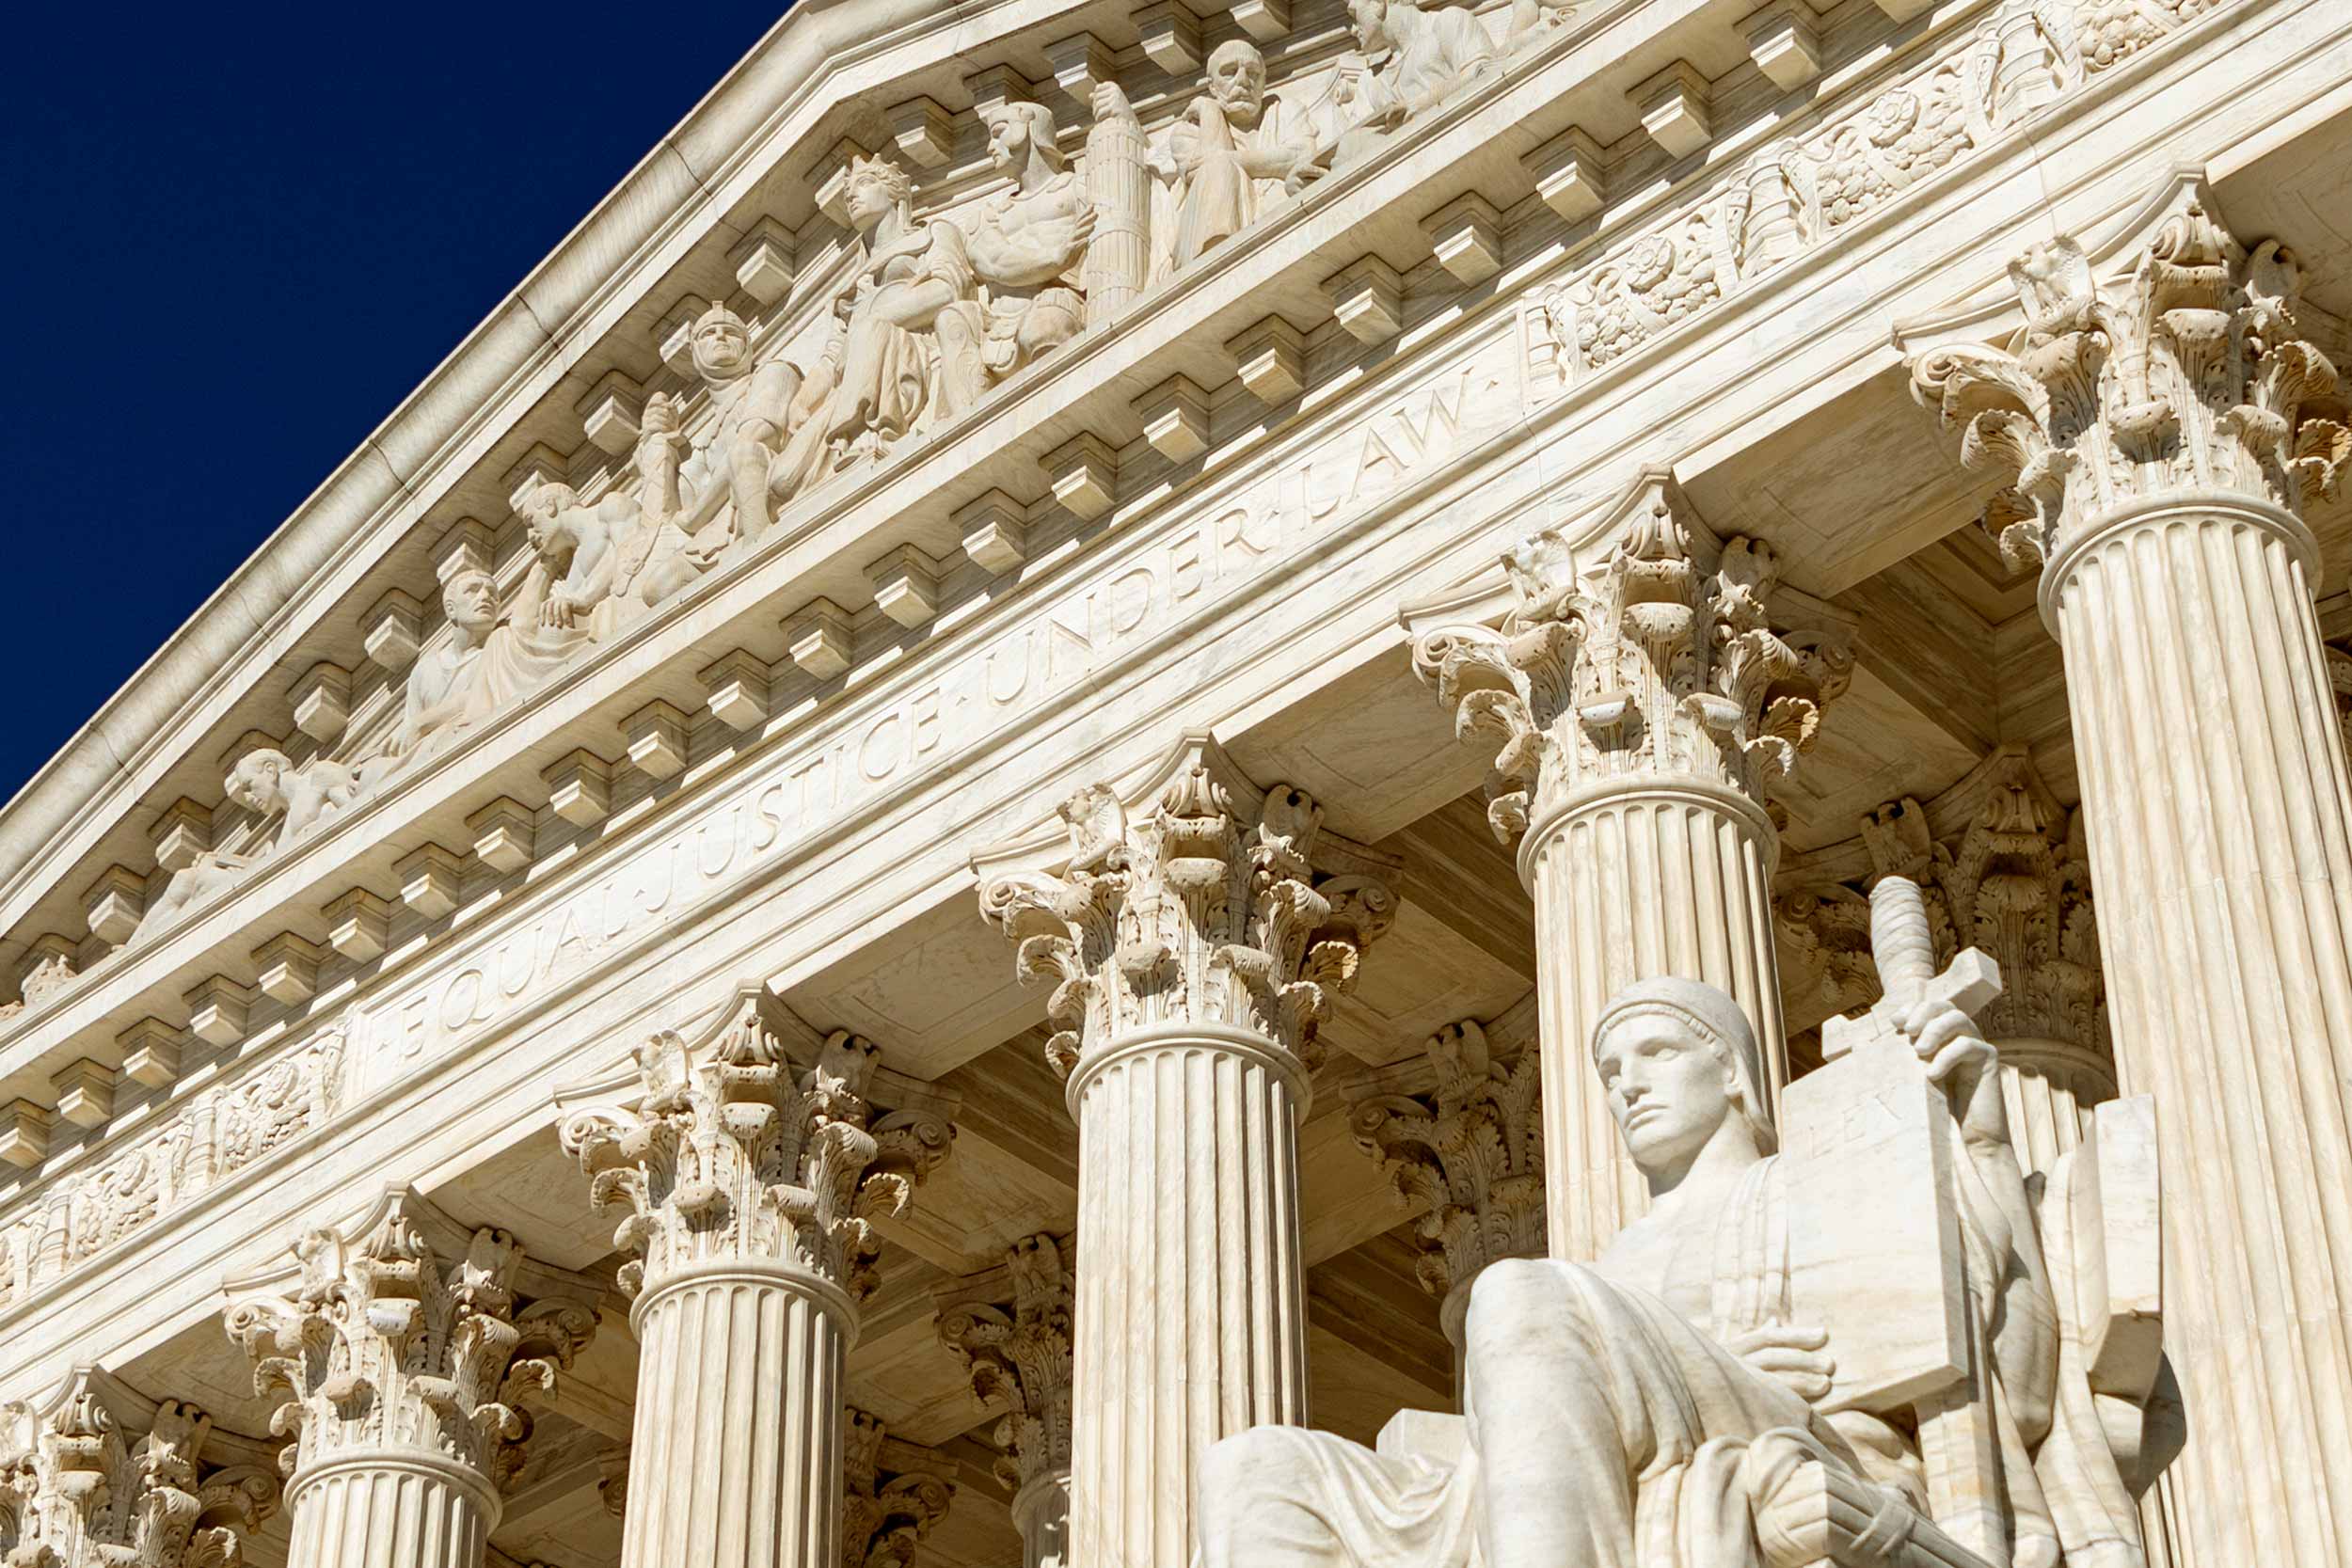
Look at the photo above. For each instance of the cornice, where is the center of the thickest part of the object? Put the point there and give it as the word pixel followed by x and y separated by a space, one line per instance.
pixel 1408 542
pixel 756 127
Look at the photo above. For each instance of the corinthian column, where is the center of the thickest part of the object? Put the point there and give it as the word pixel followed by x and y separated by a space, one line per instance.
pixel 97 1476
pixel 404 1346
pixel 2015 882
pixel 2166 427
pixel 1019 1361
pixel 1194 945
pixel 893 1492
pixel 1461 1137
pixel 1645 692
pixel 748 1186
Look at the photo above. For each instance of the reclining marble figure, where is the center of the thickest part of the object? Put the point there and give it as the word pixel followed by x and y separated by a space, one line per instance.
pixel 1659 1407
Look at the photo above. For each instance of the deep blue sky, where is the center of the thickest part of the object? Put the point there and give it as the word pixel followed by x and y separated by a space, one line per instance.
pixel 237 237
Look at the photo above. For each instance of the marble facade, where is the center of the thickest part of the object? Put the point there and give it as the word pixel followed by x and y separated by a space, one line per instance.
pixel 1285 784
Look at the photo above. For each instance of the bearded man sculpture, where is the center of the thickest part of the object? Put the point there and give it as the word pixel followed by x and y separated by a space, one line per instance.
pixel 1648 1410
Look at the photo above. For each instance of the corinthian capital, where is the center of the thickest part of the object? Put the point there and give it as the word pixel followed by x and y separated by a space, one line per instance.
pixel 1199 899
pixel 97 1476
pixel 407 1330
pixel 1011 1328
pixel 1655 651
pixel 2178 368
pixel 733 1152
pixel 893 1494
pixel 1467 1151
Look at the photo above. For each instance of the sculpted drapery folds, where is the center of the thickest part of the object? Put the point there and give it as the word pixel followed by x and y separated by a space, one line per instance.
pixel 100 1478
pixel 1672 1405
pixel 888 373
pixel 1229 159
pixel 1415 61
pixel 390 1339
pixel 1668 661
pixel 2184 374
pixel 734 1154
pixel 1203 906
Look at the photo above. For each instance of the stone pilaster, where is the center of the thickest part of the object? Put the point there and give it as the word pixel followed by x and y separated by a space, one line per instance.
pixel 404 1346
pixel 892 1495
pixel 1011 1328
pixel 1644 696
pixel 2167 426
pixel 1468 1153
pixel 97 1476
pixel 1194 931
pixel 749 1186
pixel 2016 884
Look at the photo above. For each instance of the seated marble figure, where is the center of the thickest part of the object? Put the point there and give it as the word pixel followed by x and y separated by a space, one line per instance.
pixel 1648 1410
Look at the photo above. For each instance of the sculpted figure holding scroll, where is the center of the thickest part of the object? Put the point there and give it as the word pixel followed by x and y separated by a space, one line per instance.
pixel 1657 1408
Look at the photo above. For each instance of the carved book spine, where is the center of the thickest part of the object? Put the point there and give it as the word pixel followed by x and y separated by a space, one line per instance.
pixel 1118 182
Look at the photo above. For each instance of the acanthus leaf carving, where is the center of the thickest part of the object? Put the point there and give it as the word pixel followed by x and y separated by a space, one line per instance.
pixel 894 1493
pixel 99 1477
pixel 2183 373
pixel 1015 1347
pixel 1665 659
pixel 1203 904
pixel 1467 1154
pixel 408 1332
pixel 733 1153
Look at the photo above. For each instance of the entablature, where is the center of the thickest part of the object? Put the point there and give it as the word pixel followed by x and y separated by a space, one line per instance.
pixel 830 728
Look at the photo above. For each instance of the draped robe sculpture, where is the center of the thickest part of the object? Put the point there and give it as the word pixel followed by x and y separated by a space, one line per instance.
pixel 1229 159
pixel 882 377
pixel 1652 1409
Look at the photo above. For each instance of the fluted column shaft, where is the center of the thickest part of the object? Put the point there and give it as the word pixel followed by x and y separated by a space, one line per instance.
pixel 1634 878
pixel 391 1508
pixel 735 1448
pixel 1191 1305
pixel 2050 1087
pixel 2220 822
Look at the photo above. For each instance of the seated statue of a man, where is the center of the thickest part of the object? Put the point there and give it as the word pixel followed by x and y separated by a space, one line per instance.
pixel 1644 1410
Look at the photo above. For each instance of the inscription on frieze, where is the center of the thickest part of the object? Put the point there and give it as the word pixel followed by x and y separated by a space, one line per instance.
pixel 1150 587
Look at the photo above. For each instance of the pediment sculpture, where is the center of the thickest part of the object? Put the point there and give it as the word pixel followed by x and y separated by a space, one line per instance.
pixel 937 313
pixel 1873 1331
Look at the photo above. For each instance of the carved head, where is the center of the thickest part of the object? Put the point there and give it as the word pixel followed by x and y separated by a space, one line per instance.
pixel 1371 17
pixel 470 601
pixel 541 508
pixel 1237 79
pixel 257 782
pixel 722 344
pixel 878 187
pixel 1677 1061
pixel 1017 131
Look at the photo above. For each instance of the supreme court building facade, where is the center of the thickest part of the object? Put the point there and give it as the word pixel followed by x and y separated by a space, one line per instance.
pixel 951 816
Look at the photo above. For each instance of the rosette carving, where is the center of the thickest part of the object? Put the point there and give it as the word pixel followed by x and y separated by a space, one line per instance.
pixel 1206 900
pixel 1468 1154
pixel 1674 657
pixel 2184 372
pixel 1016 1347
pixel 102 1478
pixel 733 1154
pixel 893 1494
pixel 410 1332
